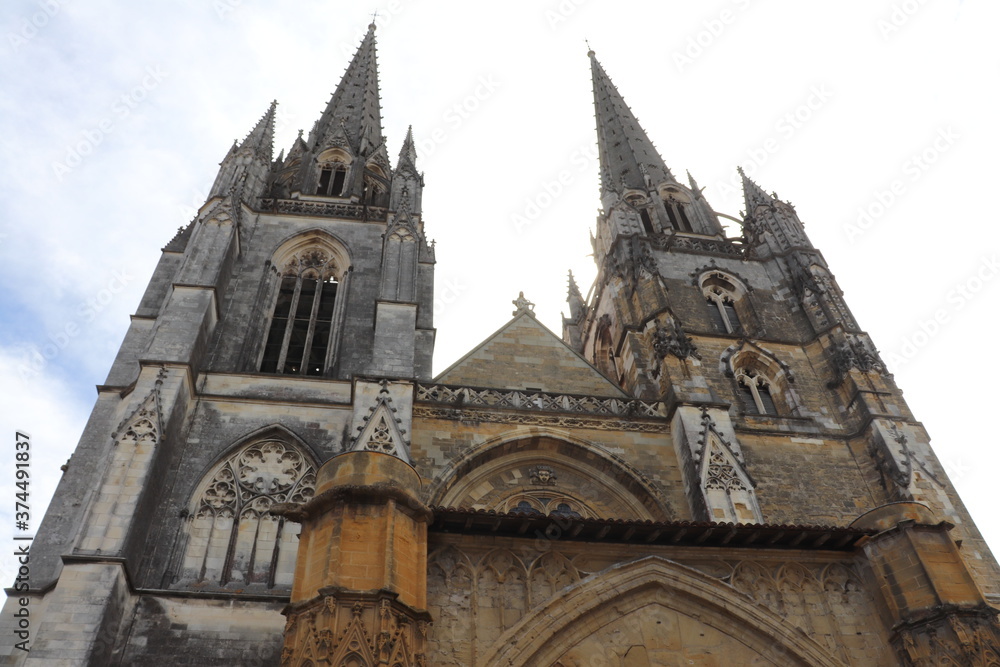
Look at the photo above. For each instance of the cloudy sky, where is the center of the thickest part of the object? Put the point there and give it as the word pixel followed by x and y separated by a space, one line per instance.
pixel 877 119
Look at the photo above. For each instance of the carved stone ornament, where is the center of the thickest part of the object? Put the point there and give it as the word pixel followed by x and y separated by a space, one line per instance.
pixel 671 339
pixel 543 475
pixel 855 354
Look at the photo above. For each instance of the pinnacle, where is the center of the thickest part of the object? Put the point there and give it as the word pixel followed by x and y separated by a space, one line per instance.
pixel 261 138
pixel 408 153
pixel 753 194
pixel 574 289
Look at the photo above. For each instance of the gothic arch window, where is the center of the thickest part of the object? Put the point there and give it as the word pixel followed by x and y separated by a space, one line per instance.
pixel 755 392
pixel 675 202
pixel 762 384
pixel 333 167
pixel 640 203
pixel 722 293
pixel 544 503
pixel 232 539
pixel 302 328
pixel 605 355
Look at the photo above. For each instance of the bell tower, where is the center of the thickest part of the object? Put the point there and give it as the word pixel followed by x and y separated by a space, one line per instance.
pixel 750 344
pixel 286 324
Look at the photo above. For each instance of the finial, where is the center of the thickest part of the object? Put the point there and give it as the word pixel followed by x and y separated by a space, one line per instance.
pixel 371 26
pixel 590 51
pixel 523 305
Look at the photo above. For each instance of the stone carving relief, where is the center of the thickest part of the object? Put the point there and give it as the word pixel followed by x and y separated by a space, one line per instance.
pixel 355 630
pixel 480 593
pixel 669 339
pixel 543 475
pixel 382 430
pixel 855 353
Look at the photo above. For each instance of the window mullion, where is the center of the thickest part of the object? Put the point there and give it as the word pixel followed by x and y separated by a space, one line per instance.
pixel 289 325
pixel 722 312
pixel 336 323
pixel 312 326
pixel 756 396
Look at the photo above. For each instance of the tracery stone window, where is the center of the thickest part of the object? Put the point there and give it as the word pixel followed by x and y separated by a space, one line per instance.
pixel 721 294
pixel 640 203
pixel 332 177
pixel 675 204
pixel 374 193
pixel 231 536
pixel 544 504
pixel 301 331
pixel 677 215
pixel 755 392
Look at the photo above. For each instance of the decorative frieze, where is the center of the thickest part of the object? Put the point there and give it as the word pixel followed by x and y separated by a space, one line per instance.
pixel 537 401
pixel 324 209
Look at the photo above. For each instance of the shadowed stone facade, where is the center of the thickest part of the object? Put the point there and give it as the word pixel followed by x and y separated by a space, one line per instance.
pixel 711 465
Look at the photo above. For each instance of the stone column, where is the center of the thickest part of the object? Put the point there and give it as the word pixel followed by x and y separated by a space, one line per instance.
pixel 360 591
pixel 937 613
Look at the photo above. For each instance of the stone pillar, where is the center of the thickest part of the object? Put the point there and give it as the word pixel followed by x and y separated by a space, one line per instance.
pixel 937 613
pixel 360 591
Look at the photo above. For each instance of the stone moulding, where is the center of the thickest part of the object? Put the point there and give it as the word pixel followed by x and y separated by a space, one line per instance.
pixel 324 209
pixel 537 401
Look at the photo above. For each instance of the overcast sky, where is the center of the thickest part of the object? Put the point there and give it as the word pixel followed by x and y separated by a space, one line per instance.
pixel 114 116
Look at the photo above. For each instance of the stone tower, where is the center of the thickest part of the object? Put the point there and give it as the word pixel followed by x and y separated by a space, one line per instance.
pixel 710 466
pixel 286 324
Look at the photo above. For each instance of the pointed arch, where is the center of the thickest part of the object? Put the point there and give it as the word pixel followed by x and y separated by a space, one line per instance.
pixel 230 535
pixel 726 297
pixel 307 302
pixel 599 601
pixel 603 484
pixel 762 381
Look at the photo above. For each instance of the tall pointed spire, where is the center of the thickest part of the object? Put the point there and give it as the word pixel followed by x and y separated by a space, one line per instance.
pixel 261 137
pixel 259 144
pixel 753 194
pixel 354 105
pixel 628 158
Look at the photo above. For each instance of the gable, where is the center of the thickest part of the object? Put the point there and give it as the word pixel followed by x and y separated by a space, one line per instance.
pixel 524 354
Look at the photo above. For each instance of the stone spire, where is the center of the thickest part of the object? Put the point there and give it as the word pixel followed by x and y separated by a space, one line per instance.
pixel 261 137
pixel 628 158
pixel 407 182
pixel 408 153
pixel 250 159
pixel 753 194
pixel 574 298
pixel 354 106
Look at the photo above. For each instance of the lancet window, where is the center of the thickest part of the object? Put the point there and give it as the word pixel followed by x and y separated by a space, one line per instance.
pixel 301 331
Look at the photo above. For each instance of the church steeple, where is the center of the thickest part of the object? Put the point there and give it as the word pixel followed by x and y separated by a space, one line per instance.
pixel 354 106
pixel 628 158
pixel 346 143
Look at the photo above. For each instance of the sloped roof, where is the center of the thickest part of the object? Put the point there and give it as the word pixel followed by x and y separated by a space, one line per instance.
pixel 524 354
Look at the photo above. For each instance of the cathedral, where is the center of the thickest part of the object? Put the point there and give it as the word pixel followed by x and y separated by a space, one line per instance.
pixel 709 465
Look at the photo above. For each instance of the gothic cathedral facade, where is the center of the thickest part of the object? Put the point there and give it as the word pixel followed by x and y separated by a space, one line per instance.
pixel 711 465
